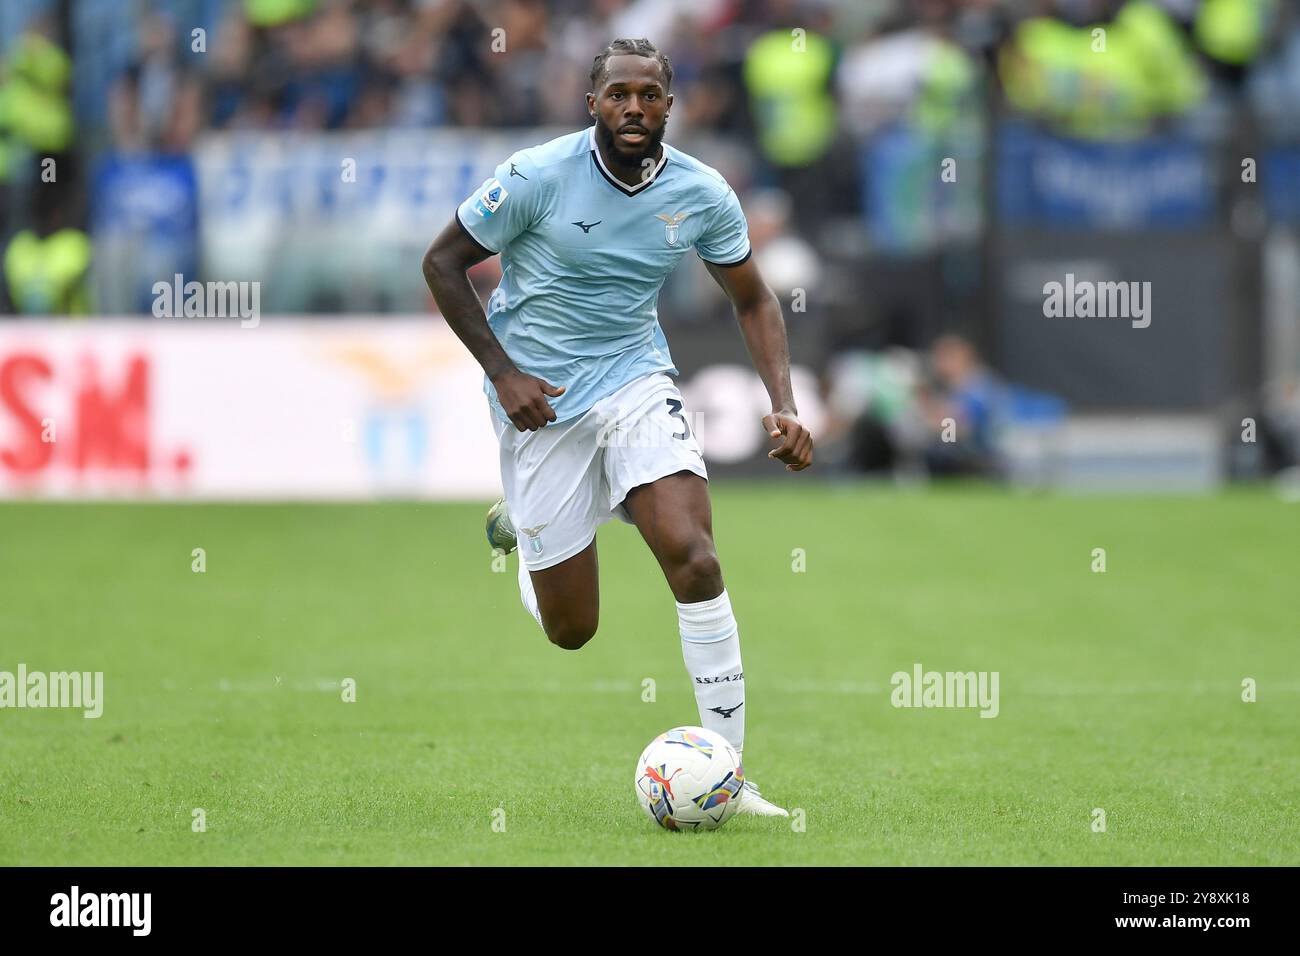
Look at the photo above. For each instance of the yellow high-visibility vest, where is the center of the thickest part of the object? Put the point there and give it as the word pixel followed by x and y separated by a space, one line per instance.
pixel 788 78
pixel 50 275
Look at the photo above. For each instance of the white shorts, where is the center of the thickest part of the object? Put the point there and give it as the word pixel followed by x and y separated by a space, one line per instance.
pixel 565 480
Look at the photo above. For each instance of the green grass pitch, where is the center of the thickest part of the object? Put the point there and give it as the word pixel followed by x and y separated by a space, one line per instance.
pixel 1119 690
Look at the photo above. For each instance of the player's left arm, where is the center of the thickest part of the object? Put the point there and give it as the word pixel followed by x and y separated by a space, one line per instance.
pixel 758 312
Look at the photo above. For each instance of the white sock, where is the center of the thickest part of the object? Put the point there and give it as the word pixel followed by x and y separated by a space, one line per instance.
pixel 711 650
pixel 528 594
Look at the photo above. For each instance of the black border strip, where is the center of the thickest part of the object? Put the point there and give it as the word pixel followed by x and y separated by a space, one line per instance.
pixel 729 265
pixel 1032 901
pixel 465 229
pixel 622 187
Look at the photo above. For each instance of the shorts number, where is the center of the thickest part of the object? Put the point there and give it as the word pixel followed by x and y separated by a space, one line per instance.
pixel 675 410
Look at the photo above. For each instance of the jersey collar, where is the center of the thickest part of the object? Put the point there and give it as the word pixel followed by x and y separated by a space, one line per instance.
pixel 614 180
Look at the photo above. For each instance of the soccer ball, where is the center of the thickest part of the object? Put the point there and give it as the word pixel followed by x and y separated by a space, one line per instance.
pixel 688 779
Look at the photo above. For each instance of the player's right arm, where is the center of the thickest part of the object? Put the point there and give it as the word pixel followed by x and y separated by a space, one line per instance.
pixel 446 271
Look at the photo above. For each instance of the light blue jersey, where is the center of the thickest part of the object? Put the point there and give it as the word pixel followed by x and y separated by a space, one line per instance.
pixel 583 257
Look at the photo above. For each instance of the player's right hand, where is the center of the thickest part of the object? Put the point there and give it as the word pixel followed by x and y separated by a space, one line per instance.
pixel 523 398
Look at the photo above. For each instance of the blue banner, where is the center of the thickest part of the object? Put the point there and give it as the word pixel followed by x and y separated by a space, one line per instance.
pixel 1045 180
pixel 145 224
pixel 1279 177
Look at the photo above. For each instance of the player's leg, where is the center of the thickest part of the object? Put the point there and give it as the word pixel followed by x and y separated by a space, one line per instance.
pixel 563 598
pixel 568 598
pixel 675 517
pixel 657 479
pixel 554 500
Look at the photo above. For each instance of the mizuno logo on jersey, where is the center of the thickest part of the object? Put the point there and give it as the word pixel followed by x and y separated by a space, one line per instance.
pixel 586 227
pixel 515 172
pixel 726 712
pixel 491 199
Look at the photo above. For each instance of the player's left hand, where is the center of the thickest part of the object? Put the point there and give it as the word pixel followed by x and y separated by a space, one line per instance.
pixel 796 448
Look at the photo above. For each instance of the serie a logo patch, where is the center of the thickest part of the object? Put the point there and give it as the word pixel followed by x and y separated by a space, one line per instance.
pixel 491 199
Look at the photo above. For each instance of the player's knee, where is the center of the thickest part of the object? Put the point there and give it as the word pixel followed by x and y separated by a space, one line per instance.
pixel 698 572
pixel 571 635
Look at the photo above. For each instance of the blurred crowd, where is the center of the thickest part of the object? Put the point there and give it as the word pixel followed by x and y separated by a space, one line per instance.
pixel 800 82
pixel 158 71
pixel 804 86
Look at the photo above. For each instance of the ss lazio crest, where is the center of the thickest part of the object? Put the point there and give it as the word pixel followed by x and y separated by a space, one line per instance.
pixel 533 538
pixel 671 225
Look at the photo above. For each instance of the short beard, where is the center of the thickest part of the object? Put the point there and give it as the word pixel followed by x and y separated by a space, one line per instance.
pixel 629 160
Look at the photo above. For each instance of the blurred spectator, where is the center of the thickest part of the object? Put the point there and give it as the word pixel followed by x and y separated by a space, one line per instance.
pixel 913 74
pixel 1102 68
pixel 36 120
pixel 47 266
pixel 1274 85
pixel 1279 436
pixel 1233 32
pixel 144 192
pixel 35 111
pixel 873 419
pixel 964 405
pixel 787 73
pixel 273 13
pixel 157 103
pixel 787 261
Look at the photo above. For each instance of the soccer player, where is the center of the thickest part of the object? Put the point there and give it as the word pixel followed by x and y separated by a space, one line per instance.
pixel 577 368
